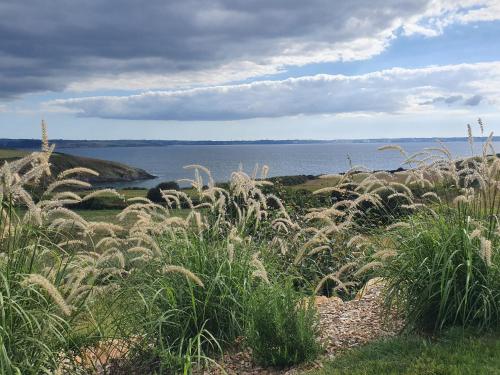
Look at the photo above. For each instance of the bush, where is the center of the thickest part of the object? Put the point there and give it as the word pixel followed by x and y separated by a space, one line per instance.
pixel 443 275
pixel 154 194
pixel 282 328
pixel 186 323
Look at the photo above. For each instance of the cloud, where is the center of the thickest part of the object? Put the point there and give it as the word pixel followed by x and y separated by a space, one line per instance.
pixel 442 99
pixel 474 100
pixel 157 44
pixel 387 91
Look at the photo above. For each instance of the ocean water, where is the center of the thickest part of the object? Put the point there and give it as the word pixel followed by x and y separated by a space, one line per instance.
pixel 166 162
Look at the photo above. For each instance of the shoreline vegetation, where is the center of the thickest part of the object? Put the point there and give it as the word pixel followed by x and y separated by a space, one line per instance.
pixel 68 143
pixel 353 273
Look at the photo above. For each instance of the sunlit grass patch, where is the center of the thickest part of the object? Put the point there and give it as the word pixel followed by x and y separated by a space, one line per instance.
pixel 455 353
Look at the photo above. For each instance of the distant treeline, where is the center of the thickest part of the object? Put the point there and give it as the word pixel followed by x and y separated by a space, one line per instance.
pixel 67 143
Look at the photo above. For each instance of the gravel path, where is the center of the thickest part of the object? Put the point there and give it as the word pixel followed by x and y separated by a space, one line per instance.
pixel 343 325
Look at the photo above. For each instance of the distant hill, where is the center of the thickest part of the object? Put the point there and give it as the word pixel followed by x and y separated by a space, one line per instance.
pixel 109 171
pixel 68 143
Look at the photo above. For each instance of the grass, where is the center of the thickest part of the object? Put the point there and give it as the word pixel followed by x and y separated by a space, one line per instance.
pixel 454 353
pixel 11 154
pixel 133 193
pixel 439 276
pixel 180 286
pixel 280 332
pixel 109 215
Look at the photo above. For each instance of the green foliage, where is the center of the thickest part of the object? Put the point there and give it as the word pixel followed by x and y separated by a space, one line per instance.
pixel 441 277
pixel 33 330
pixel 184 322
pixel 291 180
pixel 154 194
pixel 281 326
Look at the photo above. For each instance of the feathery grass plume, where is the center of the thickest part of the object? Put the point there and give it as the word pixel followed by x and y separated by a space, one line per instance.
pixel 476 233
pixel 319 249
pixel 260 270
pixel 141 250
pixel 384 254
pixel 33 210
pixel 143 237
pixel 265 171
pixel 279 225
pixel 61 223
pixel 394 148
pixel 50 289
pixel 280 205
pixel 332 277
pixel 414 206
pixel 461 199
pixel 108 241
pixel 111 254
pixel 139 200
pixel 76 170
pixel 203 169
pixel 282 245
pixel 481 125
pixel 230 253
pixel 183 271
pixel 488 145
pixel 180 195
pixel 431 195
pixel 344 268
pixel 104 226
pixel 356 240
pixel 485 251
pixel 470 139
pixel 45 137
pixel 398 225
pixel 65 195
pixel 72 243
pixel 56 184
pixel 287 222
pixel 331 189
pixel 100 193
pixel 367 267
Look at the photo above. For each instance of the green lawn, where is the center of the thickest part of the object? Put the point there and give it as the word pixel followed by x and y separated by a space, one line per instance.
pixel 133 193
pixel 109 215
pixel 11 154
pixel 453 354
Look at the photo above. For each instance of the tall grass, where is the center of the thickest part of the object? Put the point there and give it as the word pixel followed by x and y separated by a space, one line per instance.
pixel 441 277
pixel 34 319
pixel 178 291
pixel 185 320
pixel 282 326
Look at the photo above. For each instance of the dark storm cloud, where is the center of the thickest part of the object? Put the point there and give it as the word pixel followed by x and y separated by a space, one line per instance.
pixel 47 45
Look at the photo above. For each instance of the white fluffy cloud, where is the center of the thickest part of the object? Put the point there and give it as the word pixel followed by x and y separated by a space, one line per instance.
pixel 388 91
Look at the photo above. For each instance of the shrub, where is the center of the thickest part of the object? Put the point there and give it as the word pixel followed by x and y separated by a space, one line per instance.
pixel 281 327
pixel 154 194
pixel 184 322
pixel 443 275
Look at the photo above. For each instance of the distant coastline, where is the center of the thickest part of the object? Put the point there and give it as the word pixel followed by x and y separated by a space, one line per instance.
pixel 68 143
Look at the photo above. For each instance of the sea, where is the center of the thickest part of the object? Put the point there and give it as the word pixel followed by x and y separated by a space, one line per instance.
pixel 167 162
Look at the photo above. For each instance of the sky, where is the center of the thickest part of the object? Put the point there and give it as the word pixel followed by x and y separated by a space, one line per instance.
pixel 248 69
